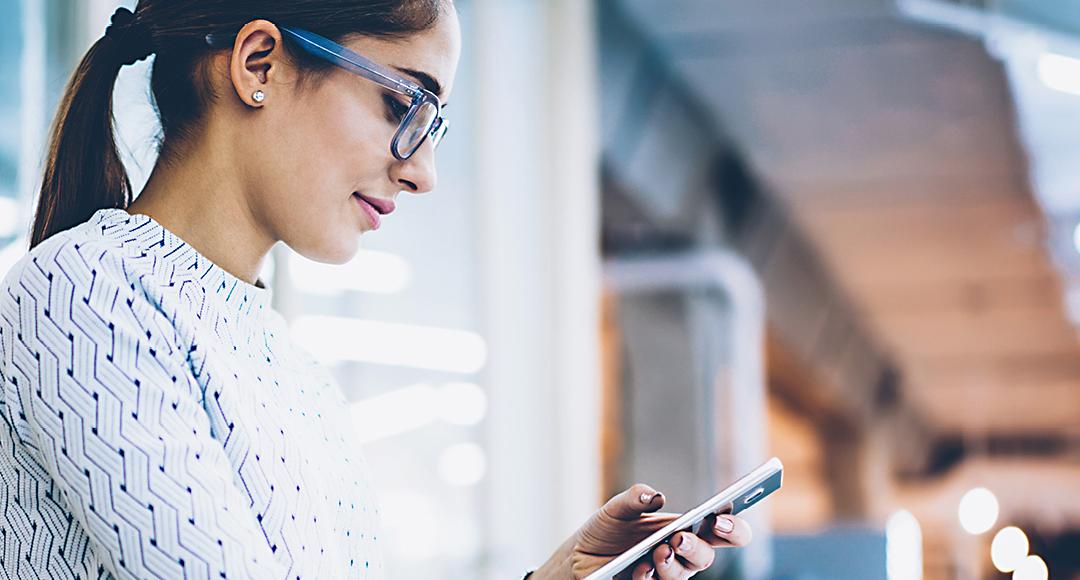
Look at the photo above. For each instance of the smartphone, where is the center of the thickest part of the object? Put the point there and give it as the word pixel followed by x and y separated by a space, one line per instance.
pixel 744 493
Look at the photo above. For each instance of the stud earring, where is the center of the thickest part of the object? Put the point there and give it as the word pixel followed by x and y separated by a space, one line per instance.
pixel 258 96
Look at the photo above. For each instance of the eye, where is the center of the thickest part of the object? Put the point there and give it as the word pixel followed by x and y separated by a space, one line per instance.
pixel 395 109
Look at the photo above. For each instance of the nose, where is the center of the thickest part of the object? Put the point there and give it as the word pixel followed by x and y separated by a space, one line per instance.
pixel 417 173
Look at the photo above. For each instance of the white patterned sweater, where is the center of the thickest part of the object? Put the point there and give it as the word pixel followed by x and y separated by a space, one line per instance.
pixel 159 422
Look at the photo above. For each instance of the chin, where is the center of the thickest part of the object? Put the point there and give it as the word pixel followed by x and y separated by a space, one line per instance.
pixel 337 250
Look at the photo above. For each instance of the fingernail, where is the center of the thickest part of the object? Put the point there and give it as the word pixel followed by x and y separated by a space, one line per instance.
pixel 684 544
pixel 670 555
pixel 650 573
pixel 724 525
pixel 649 497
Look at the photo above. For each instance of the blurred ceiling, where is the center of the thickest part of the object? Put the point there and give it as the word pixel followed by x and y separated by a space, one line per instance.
pixel 894 145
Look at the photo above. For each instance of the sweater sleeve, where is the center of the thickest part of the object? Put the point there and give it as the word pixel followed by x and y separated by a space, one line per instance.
pixel 99 387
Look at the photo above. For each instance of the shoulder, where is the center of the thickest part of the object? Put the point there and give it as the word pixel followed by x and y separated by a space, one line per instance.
pixel 88 265
pixel 73 259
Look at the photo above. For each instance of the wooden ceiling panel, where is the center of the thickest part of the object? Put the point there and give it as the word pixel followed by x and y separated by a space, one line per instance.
pixel 1023 372
pixel 872 266
pixel 991 406
pixel 1005 333
pixel 961 250
pixel 976 296
pixel 998 216
pixel 896 192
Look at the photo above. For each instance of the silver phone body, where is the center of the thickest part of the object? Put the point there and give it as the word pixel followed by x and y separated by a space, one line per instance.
pixel 744 493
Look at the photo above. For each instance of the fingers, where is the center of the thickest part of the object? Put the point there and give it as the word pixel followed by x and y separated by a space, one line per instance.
pixel 644 571
pixel 685 556
pixel 726 531
pixel 630 504
pixel 688 554
pixel 694 553
pixel 668 567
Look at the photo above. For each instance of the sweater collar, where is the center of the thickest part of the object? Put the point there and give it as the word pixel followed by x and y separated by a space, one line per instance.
pixel 144 235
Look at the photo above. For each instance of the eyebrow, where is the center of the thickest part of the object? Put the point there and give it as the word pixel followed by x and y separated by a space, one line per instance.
pixel 425 79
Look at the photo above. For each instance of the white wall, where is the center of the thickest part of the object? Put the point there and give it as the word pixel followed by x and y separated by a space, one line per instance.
pixel 537 171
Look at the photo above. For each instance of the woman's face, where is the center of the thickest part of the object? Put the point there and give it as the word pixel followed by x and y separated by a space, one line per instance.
pixel 322 146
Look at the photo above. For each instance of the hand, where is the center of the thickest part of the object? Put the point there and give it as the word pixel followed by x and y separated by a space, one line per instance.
pixel 630 517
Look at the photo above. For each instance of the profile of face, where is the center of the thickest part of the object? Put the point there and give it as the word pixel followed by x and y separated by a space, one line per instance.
pixel 309 150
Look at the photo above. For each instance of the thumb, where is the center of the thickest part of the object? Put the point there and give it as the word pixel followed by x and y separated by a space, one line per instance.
pixel 630 504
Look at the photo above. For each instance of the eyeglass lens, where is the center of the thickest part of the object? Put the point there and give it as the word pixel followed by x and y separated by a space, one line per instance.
pixel 412 135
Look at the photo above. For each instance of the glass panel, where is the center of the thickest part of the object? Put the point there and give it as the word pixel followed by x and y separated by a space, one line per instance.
pixel 11 130
pixel 37 47
pixel 11 42
pixel 1061 16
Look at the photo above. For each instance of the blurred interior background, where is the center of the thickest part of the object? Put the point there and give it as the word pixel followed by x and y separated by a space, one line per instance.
pixel 700 233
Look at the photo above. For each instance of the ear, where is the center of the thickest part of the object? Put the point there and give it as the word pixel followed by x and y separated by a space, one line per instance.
pixel 257 60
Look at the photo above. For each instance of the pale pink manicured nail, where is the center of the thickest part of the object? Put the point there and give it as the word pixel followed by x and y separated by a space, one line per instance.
pixel 684 544
pixel 724 525
pixel 650 573
pixel 646 497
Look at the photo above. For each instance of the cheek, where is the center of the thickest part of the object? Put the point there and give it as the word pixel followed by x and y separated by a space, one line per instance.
pixel 326 148
pixel 340 142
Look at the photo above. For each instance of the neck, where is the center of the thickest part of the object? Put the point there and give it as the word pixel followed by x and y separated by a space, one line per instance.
pixel 199 198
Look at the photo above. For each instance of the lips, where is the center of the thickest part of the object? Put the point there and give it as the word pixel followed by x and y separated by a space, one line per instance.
pixel 373 207
pixel 383 206
pixel 369 211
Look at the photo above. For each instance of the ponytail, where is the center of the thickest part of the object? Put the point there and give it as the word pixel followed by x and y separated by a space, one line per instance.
pixel 83 170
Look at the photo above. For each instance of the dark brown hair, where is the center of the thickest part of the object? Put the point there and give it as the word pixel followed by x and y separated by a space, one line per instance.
pixel 83 170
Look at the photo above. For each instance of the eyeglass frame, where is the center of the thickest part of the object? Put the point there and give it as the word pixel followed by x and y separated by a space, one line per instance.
pixel 355 63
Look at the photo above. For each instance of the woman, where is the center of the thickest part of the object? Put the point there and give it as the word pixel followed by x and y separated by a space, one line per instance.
pixel 160 423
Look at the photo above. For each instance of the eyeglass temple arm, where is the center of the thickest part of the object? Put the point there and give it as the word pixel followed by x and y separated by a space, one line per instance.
pixel 348 59
pixel 329 50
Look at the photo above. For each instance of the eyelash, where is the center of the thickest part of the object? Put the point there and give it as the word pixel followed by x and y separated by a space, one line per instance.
pixel 396 109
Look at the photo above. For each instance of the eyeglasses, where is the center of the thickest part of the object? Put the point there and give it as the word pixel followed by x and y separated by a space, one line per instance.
pixel 420 120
